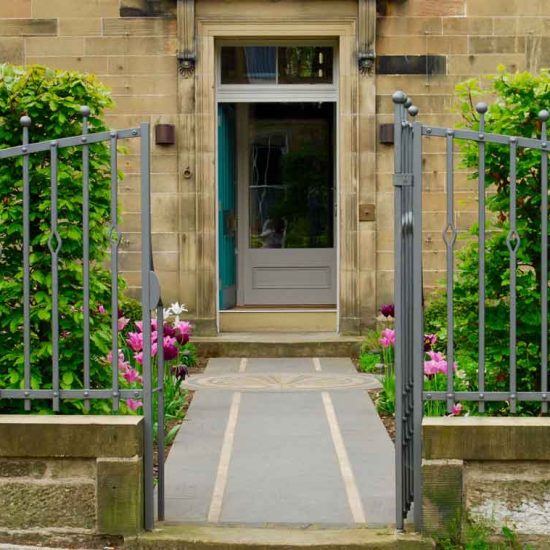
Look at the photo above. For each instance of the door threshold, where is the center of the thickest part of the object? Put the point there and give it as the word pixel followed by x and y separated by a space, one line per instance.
pixel 278 320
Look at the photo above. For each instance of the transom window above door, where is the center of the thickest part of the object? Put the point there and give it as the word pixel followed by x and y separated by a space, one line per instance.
pixel 305 70
pixel 276 65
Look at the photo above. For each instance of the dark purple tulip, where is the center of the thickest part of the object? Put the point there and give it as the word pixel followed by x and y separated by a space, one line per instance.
pixel 387 310
pixel 169 330
pixel 429 341
pixel 182 338
pixel 120 313
pixel 180 372
pixel 170 352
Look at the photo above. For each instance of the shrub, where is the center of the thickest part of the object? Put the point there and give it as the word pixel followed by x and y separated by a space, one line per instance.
pixel 518 98
pixel 52 99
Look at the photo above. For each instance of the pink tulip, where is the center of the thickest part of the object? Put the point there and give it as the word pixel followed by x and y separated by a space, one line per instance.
pixel 388 338
pixel 122 322
pixel 139 356
pixel 135 340
pixel 131 376
pixel 183 331
pixel 139 325
pixel 133 405
pixel 456 410
pixel 101 309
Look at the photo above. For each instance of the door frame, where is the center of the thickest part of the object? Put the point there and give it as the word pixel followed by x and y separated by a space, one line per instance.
pixel 344 31
pixel 242 175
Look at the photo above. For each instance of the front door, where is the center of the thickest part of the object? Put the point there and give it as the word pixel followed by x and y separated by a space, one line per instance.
pixel 286 188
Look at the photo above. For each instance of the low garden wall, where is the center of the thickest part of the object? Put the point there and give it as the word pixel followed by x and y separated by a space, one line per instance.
pixel 494 471
pixel 70 477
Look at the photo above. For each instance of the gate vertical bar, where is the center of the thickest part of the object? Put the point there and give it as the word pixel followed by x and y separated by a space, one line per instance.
pixel 418 323
pixel 399 99
pixel 481 108
pixel 85 112
pixel 149 519
pixel 544 115
pixel 160 414
pixel 114 237
pixel 25 123
pixel 449 236
pixel 513 242
pixel 55 269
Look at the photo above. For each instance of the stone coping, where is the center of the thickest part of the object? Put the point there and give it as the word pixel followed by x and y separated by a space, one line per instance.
pixel 83 436
pixel 486 438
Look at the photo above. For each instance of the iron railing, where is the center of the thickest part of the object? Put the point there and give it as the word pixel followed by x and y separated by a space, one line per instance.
pixel 150 293
pixel 409 348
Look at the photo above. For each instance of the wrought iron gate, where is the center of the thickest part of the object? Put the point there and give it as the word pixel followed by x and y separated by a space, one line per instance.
pixel 409 319
pixel 150 293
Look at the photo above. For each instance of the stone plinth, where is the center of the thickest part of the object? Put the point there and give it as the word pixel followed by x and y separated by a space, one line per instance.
pixel 79 475
pixel 493 470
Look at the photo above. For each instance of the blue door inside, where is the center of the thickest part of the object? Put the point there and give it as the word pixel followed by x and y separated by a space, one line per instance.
pixel 227 219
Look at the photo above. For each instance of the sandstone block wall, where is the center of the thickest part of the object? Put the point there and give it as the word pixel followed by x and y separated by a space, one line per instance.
pixel 136 58
pixel 472 37
pixel 70 478
pixel 133 50
pixel 490 470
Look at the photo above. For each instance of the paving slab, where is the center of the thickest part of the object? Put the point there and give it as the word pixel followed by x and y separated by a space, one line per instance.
pixel 284 456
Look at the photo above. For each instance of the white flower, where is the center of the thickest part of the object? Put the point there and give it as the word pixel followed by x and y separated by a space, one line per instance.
pixel 175 309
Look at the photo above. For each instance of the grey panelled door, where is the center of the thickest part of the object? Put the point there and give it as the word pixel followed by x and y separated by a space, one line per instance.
pixel 287 253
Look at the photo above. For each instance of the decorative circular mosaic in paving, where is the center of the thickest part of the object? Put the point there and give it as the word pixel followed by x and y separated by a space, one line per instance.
pixel 278 382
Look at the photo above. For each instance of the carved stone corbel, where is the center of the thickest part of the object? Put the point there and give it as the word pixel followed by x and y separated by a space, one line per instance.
pixel 366 55
pixel 187 56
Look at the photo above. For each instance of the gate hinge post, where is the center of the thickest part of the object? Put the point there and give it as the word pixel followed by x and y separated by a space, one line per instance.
pixel 403 180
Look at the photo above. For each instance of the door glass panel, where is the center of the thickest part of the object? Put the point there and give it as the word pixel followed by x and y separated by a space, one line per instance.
pixel 291 175
pixel 249 65
pixel 305 65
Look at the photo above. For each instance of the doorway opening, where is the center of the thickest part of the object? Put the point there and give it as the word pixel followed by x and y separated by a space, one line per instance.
pixel 277 208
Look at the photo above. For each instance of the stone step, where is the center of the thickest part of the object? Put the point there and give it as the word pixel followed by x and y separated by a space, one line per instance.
pixel 218 537
pixel 275 344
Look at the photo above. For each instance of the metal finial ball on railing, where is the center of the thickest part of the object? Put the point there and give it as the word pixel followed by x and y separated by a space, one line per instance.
pixel 399 97
pixel 408 103
pixel 481 107
pixel 413 110
pixel 25 121
pixel 544 115
pixel 85 111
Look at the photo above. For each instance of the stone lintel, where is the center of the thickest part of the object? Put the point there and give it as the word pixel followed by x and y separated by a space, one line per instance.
pixel 485 438
pixel 37 436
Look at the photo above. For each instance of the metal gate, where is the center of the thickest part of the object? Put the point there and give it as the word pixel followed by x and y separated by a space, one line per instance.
pixel 409 345
pixel 150 293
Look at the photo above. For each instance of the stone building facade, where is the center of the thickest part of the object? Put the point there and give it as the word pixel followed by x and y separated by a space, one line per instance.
pixel 163 60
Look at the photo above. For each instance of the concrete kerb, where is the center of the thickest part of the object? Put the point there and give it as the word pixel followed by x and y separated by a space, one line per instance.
pixel 201 537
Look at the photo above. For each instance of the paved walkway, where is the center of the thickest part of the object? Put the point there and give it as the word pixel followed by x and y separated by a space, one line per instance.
pixel 281 441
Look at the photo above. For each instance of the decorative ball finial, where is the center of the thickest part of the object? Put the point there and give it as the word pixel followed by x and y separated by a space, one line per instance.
pixel 85 111
pixel 408 103
pixel 413 110
pixel 481 108
pixel 25 121
pixel 399 97
pixel 544 115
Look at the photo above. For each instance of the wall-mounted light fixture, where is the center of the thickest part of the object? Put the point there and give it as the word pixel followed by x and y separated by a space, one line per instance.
pixel 386 133
pixel 165 134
